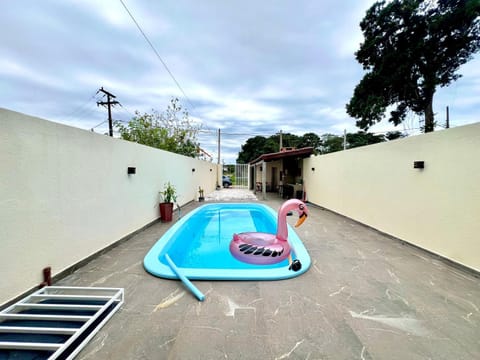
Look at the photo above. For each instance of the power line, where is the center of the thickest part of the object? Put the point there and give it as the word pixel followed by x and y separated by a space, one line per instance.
pixel 103 122
pixel 156 53
pixel 128 111
pixel 81 109
pixel 215 131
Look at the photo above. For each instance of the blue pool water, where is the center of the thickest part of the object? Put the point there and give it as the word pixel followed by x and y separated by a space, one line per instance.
pixel 198 244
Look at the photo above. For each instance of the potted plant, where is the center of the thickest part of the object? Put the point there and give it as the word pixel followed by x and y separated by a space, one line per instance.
pixel 169 196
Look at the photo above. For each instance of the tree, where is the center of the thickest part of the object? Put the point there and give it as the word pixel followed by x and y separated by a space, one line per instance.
pixel 259 145
pixel 393 135
pixel 361 138
pixel 272 145
pixel 411 47
pixel 331 143
pixel 171 130
pixel 310 140
pixel 252 149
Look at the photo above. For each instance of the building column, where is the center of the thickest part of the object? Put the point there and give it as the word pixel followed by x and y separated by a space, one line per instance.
pixel 264 179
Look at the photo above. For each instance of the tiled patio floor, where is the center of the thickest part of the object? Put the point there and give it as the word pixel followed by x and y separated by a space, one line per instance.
pixel 366 296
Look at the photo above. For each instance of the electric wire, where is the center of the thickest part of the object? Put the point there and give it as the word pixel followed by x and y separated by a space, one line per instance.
pixel 81 109
pixel 128 111
pixel 103 122
pixel 156 53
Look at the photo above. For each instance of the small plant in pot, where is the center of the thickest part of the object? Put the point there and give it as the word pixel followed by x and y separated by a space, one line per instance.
pixel 169 196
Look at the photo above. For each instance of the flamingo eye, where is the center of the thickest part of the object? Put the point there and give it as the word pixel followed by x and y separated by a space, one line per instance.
pixel 301 207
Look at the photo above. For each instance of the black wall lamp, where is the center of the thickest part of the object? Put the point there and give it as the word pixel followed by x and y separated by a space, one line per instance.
pixel 210 170
pixel 131 170
pixel 193 170
pixel 313 169
pixel 419 164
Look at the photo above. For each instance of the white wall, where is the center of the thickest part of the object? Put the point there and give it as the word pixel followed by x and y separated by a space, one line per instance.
pixel 65 194
pixel 437 208
pixel 269 170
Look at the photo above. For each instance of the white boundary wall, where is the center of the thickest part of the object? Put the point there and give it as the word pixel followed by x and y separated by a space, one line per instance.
pixel 65 194
pixel 437 208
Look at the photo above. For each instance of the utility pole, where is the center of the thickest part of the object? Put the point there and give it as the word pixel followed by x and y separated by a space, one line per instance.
pixel 218 160
pixel 108 103
pixel 447 125
pixel 281 141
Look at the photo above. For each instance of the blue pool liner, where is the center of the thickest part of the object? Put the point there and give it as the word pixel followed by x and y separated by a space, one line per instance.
pixel 176 245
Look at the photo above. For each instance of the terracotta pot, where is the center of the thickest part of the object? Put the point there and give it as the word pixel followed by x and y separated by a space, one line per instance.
pixel 166 211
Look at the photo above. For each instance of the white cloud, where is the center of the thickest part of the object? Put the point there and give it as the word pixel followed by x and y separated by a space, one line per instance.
pixel 110 11
pixel 331 113
pixel 15 69
pixel 242 109
pixel 247 67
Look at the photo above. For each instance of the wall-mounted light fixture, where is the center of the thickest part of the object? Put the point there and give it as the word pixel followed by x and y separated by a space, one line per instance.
pixel 131 170
pixel 313 169
pixel 193 170
pixel 419 164
pixel 210 169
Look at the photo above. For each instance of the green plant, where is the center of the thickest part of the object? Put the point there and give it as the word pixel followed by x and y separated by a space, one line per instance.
pixel 171 130
pixel 169 194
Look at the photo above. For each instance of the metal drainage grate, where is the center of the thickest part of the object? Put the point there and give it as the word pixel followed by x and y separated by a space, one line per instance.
pixel 56 322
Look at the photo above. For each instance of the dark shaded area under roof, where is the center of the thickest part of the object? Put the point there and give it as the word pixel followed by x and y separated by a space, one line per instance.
pixel 299 153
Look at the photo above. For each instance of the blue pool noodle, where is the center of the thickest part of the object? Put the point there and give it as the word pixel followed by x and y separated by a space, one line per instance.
pixel 199 295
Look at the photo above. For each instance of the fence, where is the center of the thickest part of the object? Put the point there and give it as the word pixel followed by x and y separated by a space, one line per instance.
pixel 241 176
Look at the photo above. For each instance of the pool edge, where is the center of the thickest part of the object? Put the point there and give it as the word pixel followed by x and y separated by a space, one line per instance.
pixel 154 266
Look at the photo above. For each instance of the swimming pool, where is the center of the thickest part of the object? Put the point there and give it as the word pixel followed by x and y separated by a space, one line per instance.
pixel 198 244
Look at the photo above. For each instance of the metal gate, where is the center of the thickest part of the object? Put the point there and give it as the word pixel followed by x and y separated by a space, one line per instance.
pixel 241 176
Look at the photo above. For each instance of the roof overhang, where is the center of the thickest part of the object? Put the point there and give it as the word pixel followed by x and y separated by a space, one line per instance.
pixel 298 153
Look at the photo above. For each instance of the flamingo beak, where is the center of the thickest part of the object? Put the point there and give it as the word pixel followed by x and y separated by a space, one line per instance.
pixel 301 219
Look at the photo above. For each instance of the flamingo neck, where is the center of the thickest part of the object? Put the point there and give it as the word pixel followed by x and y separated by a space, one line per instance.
pixel 282 230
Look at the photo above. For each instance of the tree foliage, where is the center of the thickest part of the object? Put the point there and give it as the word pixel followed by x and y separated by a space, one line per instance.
pixel 361 138
pixel 171 130
pixel 410 48
pixel 253 148
pixel 327 143
pixel 310 140
pixel 331 143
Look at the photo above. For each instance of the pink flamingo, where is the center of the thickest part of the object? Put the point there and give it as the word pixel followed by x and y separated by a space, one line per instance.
pixel 265 248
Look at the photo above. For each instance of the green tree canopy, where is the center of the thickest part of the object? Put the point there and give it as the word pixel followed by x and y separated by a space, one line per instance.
pixel 253 148
pixel 259 145
pixel 362 138
pixel 331 143
pixel 410 48
pixel 393 135
pixel 327 143
pixel 171 130
pixel 310 140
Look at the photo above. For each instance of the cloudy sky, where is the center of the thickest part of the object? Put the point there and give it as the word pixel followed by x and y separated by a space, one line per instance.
pixel 246 67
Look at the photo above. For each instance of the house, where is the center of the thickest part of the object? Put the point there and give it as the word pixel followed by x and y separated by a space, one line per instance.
pixel 280 172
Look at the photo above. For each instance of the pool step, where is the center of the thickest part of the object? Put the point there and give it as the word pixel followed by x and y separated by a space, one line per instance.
pixel 56 321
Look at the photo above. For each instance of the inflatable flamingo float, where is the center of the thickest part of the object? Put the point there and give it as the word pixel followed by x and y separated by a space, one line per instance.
pixel 264 248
